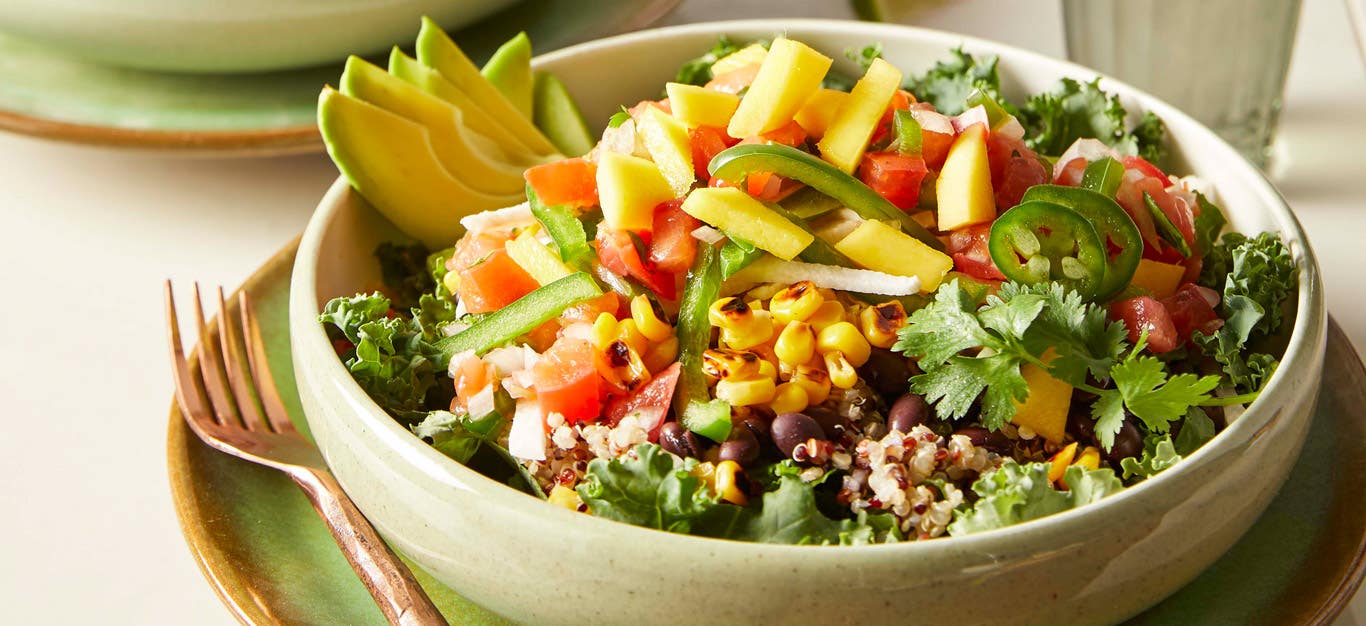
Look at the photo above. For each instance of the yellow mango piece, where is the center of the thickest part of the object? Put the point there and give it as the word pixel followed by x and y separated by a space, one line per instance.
pixel 444 123
pixel 505 145
pixel 436 51
pixel 670 148
pixel 392 164
pixel 963 191
pixel 698 106
pixel 738 215
pixel 1057 465
pixel 536 258
pixel 790 73
pixel 883 248
pixel 847 136
pixel 744 57
pixel 819 110
pixel 1045 410
pixel 564 497
pixel 629 188
pixel 1161 279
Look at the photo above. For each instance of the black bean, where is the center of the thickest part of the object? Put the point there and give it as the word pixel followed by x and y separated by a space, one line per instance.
pixel 1128 443
pixel 887 373
pixel 831 422
pixel 673 437
pixel 907 412
pixel 791 429
pixel 1083 427
pixel 984 438
pixel 741 447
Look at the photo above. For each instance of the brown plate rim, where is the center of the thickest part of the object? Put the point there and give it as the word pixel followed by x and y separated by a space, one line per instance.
pixel 299 139
pixel 197 536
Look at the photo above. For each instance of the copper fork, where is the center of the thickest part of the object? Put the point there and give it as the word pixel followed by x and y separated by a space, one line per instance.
pixel 237 409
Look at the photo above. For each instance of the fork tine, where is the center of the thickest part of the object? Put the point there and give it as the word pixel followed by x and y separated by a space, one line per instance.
pixel 260 368
pixel 188 389
pixel 211 366
pixel 238 383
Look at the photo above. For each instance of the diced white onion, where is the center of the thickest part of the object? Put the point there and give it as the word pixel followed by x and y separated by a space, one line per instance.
pixel 975 115
pixel 457 362
pixel 933 121
pixel 498 219
pixel 578 330
pixel 837 224
pixel 481 403
pixel 708 235
pixel 773 270
pixel 1011 129
pixel 1089 149
pixel 526 438
pixel 508 359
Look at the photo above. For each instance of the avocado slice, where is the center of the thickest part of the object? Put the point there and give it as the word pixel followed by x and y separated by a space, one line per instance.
pixel 560 118
pixel 390 160
pixel 461 152
pixel 408 70
pixel 509 69
pixel 436 51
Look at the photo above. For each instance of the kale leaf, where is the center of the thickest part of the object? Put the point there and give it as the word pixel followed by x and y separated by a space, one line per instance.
pixel 389 356
pixel 405 272
pixel 1054 120
pixel 948 84
pixel 698 71
pixel 653 489
pixel 1258 277
pixel 1017 493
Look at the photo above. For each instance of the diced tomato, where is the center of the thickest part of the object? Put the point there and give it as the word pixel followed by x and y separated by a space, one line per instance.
pixel 1148 169
pixel 1071 173
pixel 472 375
pixel 789 134
pixel 618 253
pixel 649 403
pixel 765 186
pixel 1014 169
pixel 471 248
pixel 570 182
pixel 1144 313
pixel 494 283
pixel 588 311
pixel 901 101
pixel 672 245
pixel 1192 309
pixel 1130 197
pixel 662 105
pixel 894 176
pixel 566 382
pixel 735 80
pixel 968 247
pixel 542 336
pixel 707 142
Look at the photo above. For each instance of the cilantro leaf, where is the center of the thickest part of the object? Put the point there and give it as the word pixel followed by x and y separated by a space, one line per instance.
pixel 1080 335
pixel 1017 493
pixel 1144 389
pixel 864 56
pixel 943 329
pixel 619 118
pixel 1054 120
pixel 698 71
pixel 948 84
pixel 652 488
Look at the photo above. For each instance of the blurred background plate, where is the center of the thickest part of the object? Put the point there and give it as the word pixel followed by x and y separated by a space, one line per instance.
pixel 49 94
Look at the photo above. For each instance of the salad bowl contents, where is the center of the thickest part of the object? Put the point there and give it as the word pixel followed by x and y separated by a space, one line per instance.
pixel 784 301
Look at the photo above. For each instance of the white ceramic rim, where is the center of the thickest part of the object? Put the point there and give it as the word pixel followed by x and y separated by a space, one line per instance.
pixel 1306 337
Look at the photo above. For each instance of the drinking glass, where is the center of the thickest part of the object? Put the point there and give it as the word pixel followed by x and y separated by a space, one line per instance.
pixel 1223 62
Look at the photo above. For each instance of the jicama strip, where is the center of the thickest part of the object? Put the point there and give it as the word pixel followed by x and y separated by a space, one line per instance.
pixel 508 217
pixel 772 270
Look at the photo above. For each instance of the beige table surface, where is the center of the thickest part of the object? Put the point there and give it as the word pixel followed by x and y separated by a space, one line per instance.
pixel 87 235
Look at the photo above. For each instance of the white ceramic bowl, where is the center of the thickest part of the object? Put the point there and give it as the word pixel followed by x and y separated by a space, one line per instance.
pixel 537 563
pixel 229 35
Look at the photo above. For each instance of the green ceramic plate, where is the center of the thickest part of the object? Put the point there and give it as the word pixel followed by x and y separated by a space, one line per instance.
pixel 45 94
pixel 271 559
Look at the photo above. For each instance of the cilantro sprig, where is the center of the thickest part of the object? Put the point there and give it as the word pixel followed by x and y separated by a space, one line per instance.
pixel 969 353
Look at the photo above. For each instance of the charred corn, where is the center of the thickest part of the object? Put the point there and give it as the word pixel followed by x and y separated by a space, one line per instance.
pixel 844 338
pixel 730 483
pixel 796 344
pixel 814 381
pixel 649 321
pixel 796 302
pixel 828 313
pixel 748 392
pixel 880 323
pixel 788 397
pixel 723 364
pixel 842 373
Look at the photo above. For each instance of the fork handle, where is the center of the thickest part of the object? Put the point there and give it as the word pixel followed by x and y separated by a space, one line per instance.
pixel 388 580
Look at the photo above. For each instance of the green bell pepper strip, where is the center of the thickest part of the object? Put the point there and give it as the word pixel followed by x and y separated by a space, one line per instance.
pixel 693 404
pixel 1039 241
pixel 808 204
pixel 907 133
pixel 519 318
pixel 1165 228
pixel 564 228
pixel 1103 177
pixel 734 163
pixel 1119 236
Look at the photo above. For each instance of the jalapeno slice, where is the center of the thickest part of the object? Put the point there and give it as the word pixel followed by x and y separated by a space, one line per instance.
pixel 1041 241
pixel 1119 236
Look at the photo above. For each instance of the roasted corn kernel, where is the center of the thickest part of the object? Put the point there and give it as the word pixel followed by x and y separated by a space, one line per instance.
pixel 795 303
pixel 723 364
pixel 706 472
pixel 627 368
pixel 1089 458
pixel 842 373
pixel 796 344
pixel 730 483
pixel 565 497
pixel 814 381
pixel 661 354
pixel 649 321
pixel 844 338
pixel 788 397
pixel 745 392
pixel 767 369
pixel 880 323
pixel 604 331
pixel 631 336
pixel 741 326
pixel 829 312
